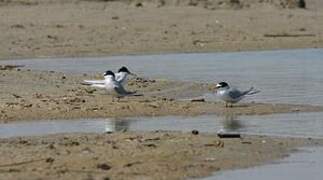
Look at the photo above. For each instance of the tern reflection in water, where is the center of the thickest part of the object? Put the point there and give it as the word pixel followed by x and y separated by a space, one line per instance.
pixel 116 125
pixel 231 122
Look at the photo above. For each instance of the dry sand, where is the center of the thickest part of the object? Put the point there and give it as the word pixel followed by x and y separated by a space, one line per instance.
pixel 37 28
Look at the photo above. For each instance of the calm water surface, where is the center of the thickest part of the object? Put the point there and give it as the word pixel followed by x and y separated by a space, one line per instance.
pixel 287 125
pixel 306 164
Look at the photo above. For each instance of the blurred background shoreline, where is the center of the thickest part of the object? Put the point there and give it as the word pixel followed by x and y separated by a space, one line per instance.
pixel 78 28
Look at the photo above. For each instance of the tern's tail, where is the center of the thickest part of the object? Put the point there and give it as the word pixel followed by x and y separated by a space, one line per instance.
pixel 251 91
pixel 86 83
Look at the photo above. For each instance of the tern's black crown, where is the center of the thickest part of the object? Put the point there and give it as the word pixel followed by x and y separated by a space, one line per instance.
pixel 109 73
pixel 223 84
pixel 124 69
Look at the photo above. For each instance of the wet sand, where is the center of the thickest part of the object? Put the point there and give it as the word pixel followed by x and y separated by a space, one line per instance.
pixel 136 155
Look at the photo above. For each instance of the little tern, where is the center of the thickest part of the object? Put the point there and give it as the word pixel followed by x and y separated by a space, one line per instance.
pixel 122 75
pixel 232 95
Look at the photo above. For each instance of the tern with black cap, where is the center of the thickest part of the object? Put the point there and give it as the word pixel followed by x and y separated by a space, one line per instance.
pixel 232 95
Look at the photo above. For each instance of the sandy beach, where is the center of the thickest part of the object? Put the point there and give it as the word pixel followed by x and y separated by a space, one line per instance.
pixel 78 28
pixel 57 28
pixel 137 155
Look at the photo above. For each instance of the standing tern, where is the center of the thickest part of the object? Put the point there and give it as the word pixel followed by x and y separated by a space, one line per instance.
pixel 232 95
pixel 120 76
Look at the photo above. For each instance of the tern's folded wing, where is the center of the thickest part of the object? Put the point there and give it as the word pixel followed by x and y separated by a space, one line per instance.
pixel 234 94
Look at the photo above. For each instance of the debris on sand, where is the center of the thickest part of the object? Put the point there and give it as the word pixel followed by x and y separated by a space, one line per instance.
pixel 288 35
pixel 10 67
pixel 195 132
pixel 229 135
pixel 103 166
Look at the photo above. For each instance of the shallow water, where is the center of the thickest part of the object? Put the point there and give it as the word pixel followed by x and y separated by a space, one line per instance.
pixel 286 76
pixel 306 164
pixel 288 125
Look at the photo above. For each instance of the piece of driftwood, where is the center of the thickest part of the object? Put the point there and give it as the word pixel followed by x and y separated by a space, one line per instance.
pixel 198 100
pixel 229 135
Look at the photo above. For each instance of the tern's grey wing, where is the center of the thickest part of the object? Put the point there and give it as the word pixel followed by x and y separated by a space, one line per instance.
pixel 234 94
pixel 121 91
